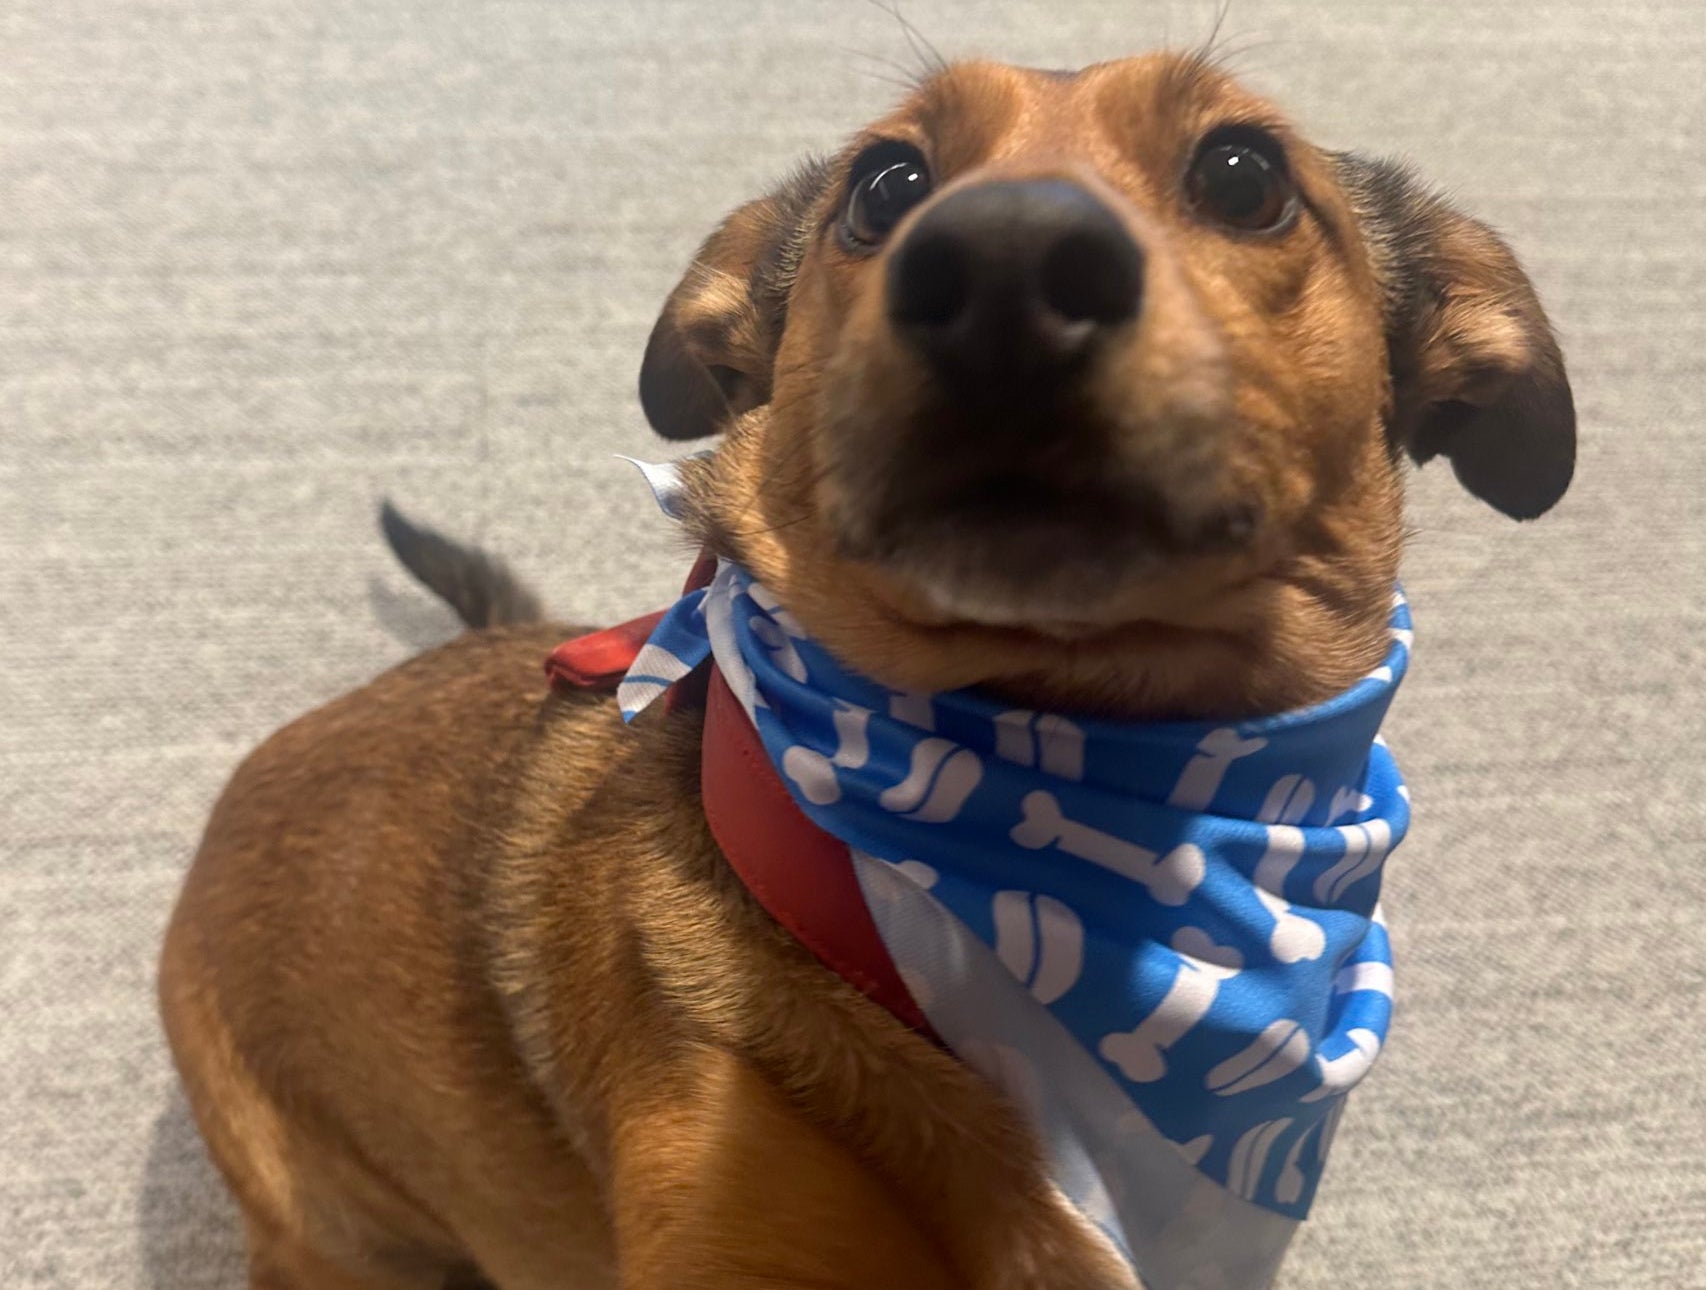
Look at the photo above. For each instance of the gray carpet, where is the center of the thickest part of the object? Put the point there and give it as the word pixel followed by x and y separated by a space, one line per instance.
pixel 261 262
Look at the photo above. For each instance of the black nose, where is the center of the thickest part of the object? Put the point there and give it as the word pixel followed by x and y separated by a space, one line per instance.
pixel 1012 283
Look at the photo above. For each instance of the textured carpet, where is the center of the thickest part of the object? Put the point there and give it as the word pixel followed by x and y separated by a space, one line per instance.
pixel 262 262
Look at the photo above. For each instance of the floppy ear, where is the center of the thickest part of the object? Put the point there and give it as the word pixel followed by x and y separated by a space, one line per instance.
pixel 711 353
pixel 1476 372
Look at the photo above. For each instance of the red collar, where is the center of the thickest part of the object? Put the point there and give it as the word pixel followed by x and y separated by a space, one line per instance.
pixel 801 875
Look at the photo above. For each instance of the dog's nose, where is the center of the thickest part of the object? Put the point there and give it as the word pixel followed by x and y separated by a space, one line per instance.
pixel 1013 282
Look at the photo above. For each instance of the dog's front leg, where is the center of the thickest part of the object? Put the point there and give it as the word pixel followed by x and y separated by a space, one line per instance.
pixel 719 1183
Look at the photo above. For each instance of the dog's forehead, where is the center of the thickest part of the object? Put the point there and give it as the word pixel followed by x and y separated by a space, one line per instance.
pixel 1133 108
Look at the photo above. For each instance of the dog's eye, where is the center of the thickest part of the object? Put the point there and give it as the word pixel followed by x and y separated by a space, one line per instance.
pixel 1239 178
pixel 888 180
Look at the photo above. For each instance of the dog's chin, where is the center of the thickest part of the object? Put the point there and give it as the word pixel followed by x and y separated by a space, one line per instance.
pixel 1048 582
pixel 1055 573
pixel 1045 611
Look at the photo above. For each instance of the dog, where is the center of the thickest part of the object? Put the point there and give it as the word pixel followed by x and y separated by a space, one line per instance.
pixel 1089 392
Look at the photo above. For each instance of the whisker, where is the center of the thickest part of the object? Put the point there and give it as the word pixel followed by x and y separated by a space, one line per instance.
pixel 916 40
pixel 911 76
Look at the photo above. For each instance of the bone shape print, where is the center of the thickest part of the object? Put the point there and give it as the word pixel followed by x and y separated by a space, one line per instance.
pixel 1204 773
pixel 1048 740
pixel 1040 941
pixel 1170 878
pixel 1288 801
pixel 852 740
pixel 1347 801
pixel 1366 847
pixel 1294 938
pixel 942 776
pixel 813 773
pixel 1140 1053
pixel 1339 1074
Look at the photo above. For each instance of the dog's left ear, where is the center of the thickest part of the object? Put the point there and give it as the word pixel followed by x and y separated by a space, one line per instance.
pixel 712 352
pixel 1476 372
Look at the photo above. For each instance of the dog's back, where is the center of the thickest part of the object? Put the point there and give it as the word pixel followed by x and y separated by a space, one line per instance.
pixel 323 981
pixel 324 988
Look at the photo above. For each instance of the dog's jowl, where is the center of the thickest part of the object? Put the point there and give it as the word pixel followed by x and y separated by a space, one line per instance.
pixel 973 880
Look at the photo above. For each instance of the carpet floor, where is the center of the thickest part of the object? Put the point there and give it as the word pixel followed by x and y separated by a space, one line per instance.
pixel 262 263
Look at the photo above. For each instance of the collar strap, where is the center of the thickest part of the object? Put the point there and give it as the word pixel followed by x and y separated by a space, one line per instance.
pixel 801 875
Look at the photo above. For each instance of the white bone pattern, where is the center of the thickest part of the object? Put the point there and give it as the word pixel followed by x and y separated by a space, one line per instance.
pixel 1170 878
pixel 941 778
pixel 1347 801
pixel 1340 1074
pixel 1295 938
pixel 852 742
pixel 1281 1048
pixel 1288 801
pixel 1366 848
pixel 814 773
pixel 1048 741
pixel 1040 941
pixel 1140 1053
pixel 1204 773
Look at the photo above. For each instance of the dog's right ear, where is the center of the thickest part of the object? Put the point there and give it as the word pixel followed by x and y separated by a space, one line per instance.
pixel 712 353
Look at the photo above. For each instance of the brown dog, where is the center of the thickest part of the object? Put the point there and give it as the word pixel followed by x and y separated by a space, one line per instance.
pixel 1091 389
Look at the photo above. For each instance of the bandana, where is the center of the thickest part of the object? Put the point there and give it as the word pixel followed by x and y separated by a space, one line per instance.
pixel 1161 940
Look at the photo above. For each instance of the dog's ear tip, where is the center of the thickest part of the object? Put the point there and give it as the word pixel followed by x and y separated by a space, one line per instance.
pixel 678 395
pixel 1523 465
pixel 1520 455
pixel 1528 499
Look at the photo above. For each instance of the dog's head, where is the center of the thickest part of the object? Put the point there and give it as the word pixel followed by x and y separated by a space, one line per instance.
pixel 1095 387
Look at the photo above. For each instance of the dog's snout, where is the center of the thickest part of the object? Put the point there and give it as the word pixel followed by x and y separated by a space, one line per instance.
pixel 1013 280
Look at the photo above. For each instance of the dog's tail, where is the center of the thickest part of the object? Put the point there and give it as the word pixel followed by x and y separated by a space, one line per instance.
pixel 479 587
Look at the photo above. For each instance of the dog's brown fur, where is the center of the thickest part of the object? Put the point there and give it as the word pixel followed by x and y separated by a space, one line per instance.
pixel 459 979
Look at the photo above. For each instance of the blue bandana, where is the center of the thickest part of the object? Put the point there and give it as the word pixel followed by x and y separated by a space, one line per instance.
pixel 1135 929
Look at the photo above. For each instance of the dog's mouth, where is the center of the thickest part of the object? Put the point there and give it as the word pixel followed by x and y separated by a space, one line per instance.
pixel 1011 548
